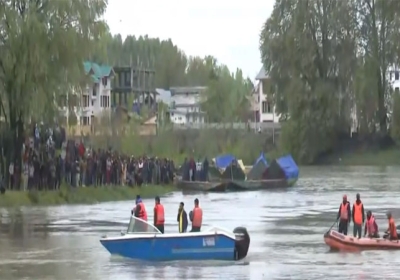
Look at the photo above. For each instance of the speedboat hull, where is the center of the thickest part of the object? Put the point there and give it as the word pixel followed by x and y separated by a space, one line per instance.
pixel 164 247
pixel 341 242
pixel 144 242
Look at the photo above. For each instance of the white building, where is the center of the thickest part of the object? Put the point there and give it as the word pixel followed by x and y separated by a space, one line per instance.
pixel 184 104
pixel 266 110
pixel 394 78
pixel 93 100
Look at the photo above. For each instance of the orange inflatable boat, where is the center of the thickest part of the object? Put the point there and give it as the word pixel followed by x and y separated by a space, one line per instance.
pixel 338 241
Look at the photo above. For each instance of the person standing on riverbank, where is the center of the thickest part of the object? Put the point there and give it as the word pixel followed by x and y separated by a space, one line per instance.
pixel 159 217
pixel 358 216
pixel 344 215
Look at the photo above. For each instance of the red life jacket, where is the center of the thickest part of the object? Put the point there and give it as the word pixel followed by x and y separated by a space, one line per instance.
pixel 197 217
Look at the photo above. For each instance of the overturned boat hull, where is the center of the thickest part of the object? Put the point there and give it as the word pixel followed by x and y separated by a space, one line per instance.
pixel 340 242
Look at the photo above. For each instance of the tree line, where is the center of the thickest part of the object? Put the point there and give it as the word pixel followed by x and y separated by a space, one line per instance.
pixel 331 64
pixel 227 97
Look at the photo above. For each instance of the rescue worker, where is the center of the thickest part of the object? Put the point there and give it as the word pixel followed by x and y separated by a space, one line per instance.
pixel 182 218
pixel 358 216
pixel 371 228
pixel 159 219
pixel 140 210
pixel 392 230
pixel 196 216
pixel 344 215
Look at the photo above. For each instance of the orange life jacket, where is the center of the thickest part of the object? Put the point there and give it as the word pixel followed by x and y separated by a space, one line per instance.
pixel 344 214
pixel 142 213
pixel 197 217
pixel 159 210
pixel 358 213
pixel 392 228
pixel 371 226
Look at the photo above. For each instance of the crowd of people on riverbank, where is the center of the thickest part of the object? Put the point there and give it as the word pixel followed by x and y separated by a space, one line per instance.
pixel 44 166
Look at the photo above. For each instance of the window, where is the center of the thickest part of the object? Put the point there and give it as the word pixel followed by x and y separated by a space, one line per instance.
pixel 104 81
pixel 127 79
pixel 84 120
pixel 266 107
pixel 85 100
pixel 396 75
pixel 105 101
pixel 94 91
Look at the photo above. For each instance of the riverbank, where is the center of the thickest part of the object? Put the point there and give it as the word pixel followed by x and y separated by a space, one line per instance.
pixel 370 157
pixel 87 195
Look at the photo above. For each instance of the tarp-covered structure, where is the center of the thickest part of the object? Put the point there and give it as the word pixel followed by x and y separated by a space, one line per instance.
pixel 261 158
pixel 258 169
pixel 289 166
pixel 234 172
pixel 223 161
pixel 282 168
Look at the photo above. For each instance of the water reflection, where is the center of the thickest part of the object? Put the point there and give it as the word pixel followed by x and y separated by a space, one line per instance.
pixel 285 228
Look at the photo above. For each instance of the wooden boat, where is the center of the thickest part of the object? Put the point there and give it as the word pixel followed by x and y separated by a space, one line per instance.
pixel 341 242
pixel 234 185
pixel 202 186
pixel 266 184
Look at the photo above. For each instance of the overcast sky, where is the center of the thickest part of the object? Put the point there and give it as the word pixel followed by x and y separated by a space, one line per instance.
pixel 228 30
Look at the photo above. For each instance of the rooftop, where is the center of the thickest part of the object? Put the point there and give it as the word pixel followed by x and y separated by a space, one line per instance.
pixel 262 74
pixel 97 71
pixel 183 90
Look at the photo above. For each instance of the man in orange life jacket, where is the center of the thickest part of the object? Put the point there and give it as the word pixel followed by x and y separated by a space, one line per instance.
pixel 371 228
pixel 159 219
pixel 392 230
pixel 140 211
pixel 196 216
pixel 344 215
pixel 358 216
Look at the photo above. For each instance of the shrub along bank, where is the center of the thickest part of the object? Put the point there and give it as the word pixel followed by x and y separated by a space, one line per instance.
pixel 81 195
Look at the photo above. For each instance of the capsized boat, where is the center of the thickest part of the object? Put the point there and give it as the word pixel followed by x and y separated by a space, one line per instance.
pixel 341 242
pixel 143 241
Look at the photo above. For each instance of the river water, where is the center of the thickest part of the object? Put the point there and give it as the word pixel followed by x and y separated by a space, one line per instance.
pixel 286 230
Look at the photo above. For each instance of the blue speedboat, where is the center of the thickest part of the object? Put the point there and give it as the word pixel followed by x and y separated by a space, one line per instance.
pixel 143 241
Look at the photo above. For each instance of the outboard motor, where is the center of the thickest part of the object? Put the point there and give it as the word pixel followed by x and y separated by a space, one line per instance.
pixel 242 243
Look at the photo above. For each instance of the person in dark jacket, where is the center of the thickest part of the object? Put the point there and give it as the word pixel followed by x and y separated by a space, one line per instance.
pixel 182 218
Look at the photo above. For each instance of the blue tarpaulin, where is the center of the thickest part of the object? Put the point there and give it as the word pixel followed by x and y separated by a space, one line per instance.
pixel 224 161
pixel 289 166
pixel 262 159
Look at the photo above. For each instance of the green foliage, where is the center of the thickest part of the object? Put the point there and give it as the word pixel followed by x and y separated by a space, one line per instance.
pixel 42 48
pixel 88 195
pixel 329 63
pixel 179 144
pixel 72 118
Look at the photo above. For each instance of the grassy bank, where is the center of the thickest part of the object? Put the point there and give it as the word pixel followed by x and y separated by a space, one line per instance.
pixel 88 195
